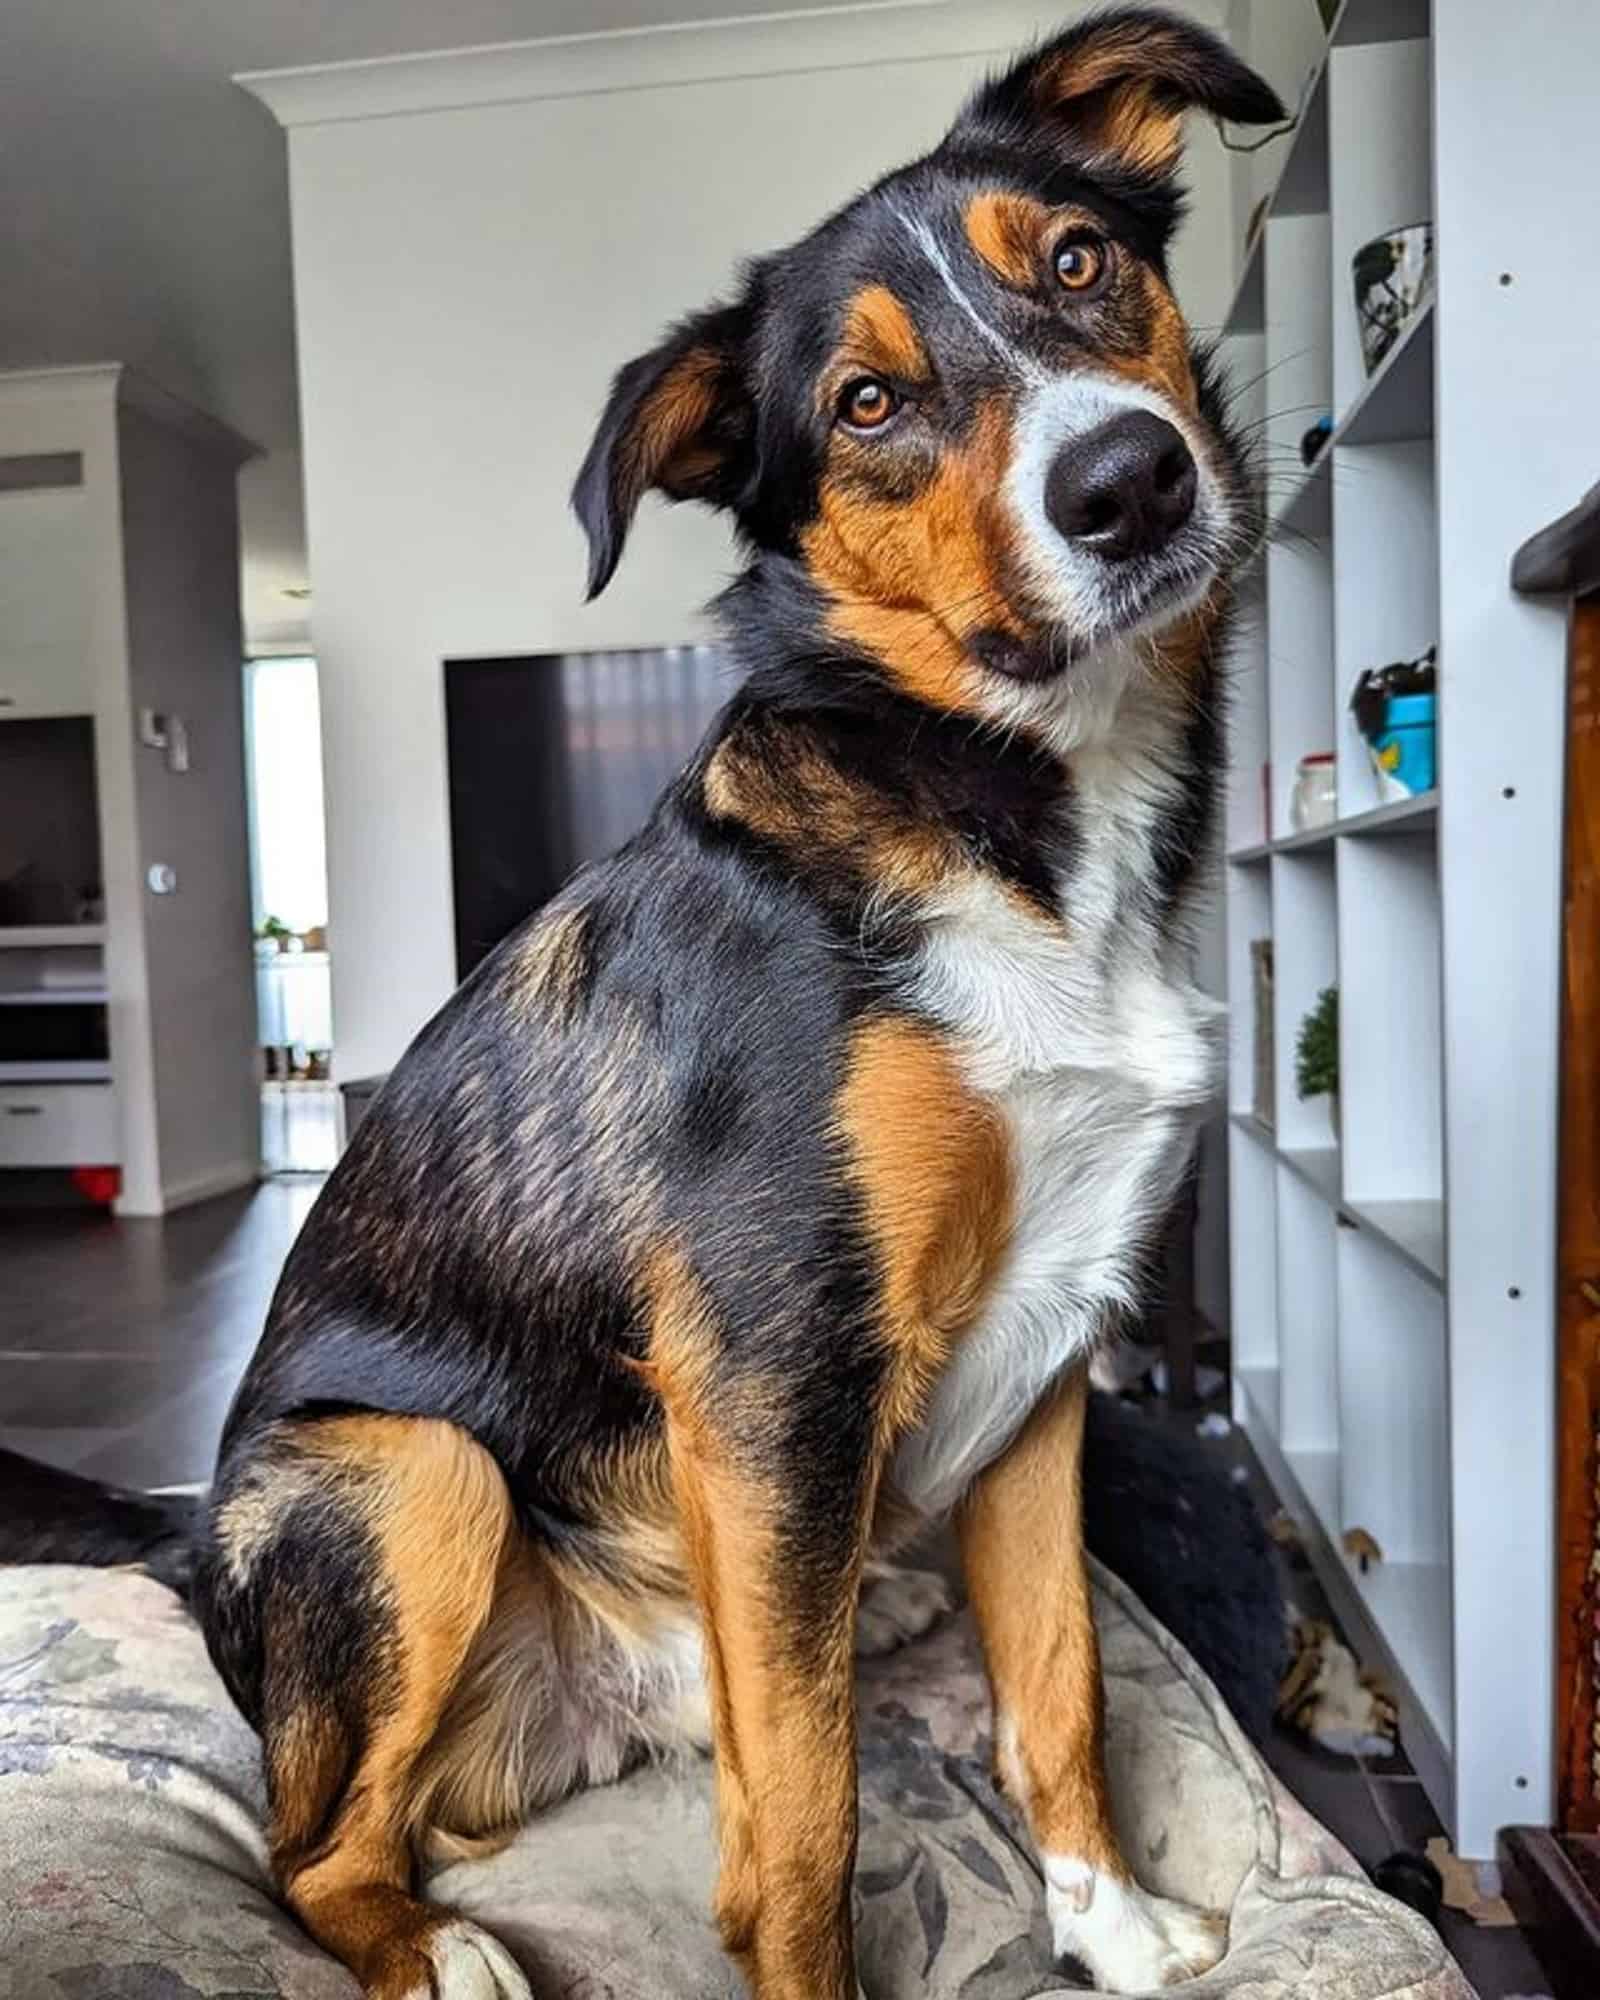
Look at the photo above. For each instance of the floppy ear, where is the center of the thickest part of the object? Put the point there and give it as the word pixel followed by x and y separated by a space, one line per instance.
pixel 1117 85
pixel 680 419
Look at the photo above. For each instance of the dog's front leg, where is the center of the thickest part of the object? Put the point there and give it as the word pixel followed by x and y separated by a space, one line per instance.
pixel 776 1563
pixel 1022 1547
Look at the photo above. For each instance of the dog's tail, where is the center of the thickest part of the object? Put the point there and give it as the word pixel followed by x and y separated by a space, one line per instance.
pixel 50 1516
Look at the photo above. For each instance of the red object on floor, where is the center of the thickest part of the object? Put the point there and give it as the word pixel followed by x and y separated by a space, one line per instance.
pixel 98 1184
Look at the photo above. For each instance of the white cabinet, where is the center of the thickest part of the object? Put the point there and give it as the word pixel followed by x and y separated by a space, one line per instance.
pixel 58 1125
pixel 45 641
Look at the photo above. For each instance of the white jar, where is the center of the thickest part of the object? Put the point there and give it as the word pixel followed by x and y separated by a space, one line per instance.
pixel 1314 801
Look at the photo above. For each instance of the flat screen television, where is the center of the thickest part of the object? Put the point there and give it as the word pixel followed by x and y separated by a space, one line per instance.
pixel 554 760
pixel 49 822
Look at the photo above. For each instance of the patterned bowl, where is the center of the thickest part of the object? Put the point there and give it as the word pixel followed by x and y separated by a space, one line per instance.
pixel 1393 274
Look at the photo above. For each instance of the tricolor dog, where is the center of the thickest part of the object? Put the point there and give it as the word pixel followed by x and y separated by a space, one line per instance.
pixel 762 1200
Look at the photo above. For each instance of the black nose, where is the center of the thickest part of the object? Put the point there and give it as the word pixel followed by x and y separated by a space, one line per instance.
pixel 1125 489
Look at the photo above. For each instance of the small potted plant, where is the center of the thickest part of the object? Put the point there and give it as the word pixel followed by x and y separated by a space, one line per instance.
pixel 1316 1053
pixel 275 932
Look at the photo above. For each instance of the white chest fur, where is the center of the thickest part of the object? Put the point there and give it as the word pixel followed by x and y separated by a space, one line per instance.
pixel 1098 1051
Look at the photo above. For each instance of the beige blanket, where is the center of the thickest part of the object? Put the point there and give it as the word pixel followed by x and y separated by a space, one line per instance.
pixel 132 1864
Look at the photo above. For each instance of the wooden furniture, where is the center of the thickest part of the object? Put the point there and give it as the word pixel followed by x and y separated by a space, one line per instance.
pixel 1393 1296
pixel 119 603
pixel 1554 1872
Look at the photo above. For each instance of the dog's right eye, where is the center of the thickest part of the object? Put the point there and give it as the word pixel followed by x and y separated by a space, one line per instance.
pixel 866 404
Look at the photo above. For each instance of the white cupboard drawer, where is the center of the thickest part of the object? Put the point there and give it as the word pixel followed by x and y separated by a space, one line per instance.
pixel 58 1125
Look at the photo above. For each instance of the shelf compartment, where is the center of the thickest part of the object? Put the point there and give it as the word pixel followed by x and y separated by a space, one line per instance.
pixel 1390 1034
pixel 1245 314
pixel 1307 508
pixel 1305 960
pixel 1380 138
pixel 1299 361
pixel 1297 843
pixel 1317 1474
pixel 1413 1230
pixel 1260 1385
pixel 1308 1391
pixel 1381 21
pixel 1394 1465
pixel 1318 1167
pixel 1252 1251
pixel 1262 1133
pixel 1385 588
pixel 1249 921
pixel 1410 1603
pixel 1245 816
pixel 1395 403
pixel 1302 187
pixel 1300 662
pixel 1308 1486
pixel 1403 816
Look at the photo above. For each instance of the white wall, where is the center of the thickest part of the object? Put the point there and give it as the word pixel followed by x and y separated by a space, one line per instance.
pixel 467 280
pixel 180 538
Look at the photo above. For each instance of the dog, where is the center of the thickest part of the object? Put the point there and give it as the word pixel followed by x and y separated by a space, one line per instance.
pixel 762 1199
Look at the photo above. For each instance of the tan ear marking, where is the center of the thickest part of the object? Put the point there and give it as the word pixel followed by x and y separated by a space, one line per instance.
pixel 668 448
pixel 1124 90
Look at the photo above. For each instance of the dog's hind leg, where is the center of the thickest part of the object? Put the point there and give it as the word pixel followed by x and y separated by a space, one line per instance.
pixel 355 1565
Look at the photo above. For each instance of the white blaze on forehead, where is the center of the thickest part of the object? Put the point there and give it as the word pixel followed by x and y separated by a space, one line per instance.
pixel 923 234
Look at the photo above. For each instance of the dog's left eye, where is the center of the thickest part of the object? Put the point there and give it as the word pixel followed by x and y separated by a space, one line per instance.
pixel 866 404
pixel 1083 262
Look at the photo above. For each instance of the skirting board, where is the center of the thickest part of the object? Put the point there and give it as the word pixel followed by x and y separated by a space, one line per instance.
pixel 201 1187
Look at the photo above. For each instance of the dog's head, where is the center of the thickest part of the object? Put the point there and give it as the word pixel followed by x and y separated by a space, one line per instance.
pixel 967 404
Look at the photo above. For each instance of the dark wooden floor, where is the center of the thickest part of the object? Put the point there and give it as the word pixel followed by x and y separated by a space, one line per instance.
pixel 121 1342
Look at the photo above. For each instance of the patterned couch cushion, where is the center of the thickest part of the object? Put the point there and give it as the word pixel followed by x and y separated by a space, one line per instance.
pixel 132 1865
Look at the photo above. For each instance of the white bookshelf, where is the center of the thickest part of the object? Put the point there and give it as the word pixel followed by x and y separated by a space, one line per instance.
pixel 1392 1283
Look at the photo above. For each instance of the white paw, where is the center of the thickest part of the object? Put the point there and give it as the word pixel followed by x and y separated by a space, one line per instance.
pixel 898 1605
pixel 1130 1941
pixel 467 1964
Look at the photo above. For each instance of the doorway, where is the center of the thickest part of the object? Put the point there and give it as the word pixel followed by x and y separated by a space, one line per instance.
pixel 289 896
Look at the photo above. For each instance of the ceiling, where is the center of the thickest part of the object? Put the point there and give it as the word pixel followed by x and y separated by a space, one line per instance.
pixel 144 215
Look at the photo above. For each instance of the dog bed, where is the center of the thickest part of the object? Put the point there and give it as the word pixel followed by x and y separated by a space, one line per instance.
pixel 132 1865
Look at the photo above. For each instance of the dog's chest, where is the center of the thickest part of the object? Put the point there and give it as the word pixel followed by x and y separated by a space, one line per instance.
pixel 1098 1052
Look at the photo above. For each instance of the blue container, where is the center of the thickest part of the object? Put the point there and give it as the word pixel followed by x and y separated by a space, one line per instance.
pixel 1404 752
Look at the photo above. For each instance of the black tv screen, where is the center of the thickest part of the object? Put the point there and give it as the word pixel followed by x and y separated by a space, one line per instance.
pixel 49 821
pixel 554 760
